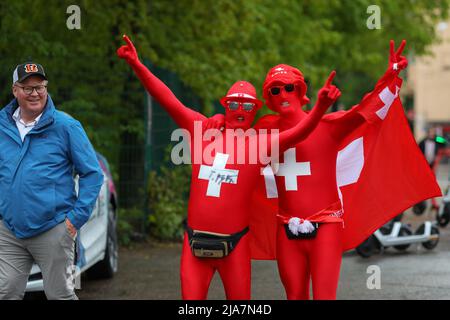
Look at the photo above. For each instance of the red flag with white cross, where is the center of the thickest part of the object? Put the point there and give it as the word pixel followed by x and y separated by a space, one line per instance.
pixel 380 172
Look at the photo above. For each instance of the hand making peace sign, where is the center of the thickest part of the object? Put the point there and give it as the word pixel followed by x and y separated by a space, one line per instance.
pixel 397 62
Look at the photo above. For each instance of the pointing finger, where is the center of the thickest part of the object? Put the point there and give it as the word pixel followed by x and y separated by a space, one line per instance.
pixel 128 41
pixel 330 78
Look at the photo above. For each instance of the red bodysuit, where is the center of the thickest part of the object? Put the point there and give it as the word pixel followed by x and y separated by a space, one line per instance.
pixel 307 183
pixel 219 207
pixel 352 168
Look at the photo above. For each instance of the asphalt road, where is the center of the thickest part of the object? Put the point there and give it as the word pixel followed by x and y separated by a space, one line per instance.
pixel 151 271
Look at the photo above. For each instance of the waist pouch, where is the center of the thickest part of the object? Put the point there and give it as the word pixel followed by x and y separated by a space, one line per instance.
pixel 213 245
pixel 300 235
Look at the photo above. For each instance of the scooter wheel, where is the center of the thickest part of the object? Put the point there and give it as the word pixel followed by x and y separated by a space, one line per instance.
pixel 368 247
pixel 419 208
pixel 431 244
pixel 404 231
pixel 398 217
pixel 444 219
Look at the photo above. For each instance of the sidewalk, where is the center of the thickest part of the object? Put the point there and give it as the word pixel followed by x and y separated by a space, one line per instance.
pixel 151 271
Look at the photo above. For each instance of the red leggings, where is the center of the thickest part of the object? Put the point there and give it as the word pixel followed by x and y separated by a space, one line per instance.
pixel 234 270
pixel 318 258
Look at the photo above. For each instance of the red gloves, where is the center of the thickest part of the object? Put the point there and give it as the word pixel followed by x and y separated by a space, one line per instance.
pixel 128 52
pixel 217 121
pixel 397 62
pixel 328 94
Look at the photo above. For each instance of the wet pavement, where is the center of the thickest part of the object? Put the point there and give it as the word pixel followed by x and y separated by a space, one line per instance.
pixel 151 271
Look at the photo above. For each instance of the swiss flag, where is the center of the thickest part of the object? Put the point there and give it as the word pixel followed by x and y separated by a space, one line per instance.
pixel 380 172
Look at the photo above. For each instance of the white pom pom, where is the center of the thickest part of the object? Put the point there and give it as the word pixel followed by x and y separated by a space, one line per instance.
pixel 395 66
pixel 306 227
pixel 293 225
pixel 297 225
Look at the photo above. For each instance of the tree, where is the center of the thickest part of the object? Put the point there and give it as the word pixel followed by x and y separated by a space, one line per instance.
pixel 208 44
pixel 211 44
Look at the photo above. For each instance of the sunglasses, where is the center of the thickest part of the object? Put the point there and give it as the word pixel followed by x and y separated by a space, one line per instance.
pixel 276 90
pixel 234 105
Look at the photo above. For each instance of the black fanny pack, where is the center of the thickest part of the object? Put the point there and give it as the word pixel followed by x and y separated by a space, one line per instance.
pixel 300 235
pixel 213 245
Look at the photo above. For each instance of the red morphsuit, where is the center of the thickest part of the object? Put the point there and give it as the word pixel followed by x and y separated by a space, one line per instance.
pixel 331 177
pixel 221 186
pixel 361 167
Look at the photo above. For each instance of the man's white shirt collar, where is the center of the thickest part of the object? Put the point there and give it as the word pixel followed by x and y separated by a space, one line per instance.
pixel 23 127
pixel 18 118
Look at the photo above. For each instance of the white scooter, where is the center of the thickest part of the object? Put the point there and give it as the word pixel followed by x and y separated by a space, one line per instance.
pixel 443 214
pixel 400 236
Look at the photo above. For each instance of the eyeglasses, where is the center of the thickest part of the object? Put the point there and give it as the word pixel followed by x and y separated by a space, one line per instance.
pixel 41 89
pixel 234 105
pixel 276 90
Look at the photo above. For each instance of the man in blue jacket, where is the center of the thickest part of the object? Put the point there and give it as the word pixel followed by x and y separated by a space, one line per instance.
pixel 40 212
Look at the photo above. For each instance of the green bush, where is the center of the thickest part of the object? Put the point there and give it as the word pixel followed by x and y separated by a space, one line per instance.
pixel 168 192
pixel 129 224
pixel 124 232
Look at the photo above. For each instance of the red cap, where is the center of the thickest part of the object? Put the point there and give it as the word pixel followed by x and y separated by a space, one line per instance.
pixel 242 91
pixel 285 74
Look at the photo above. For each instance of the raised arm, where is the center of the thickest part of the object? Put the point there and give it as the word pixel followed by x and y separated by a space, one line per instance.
pixel 364 111
pixel 327 95
pixel 182 115
pixel 396 64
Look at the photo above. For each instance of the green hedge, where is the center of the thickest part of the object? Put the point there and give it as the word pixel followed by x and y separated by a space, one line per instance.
pixel 168 191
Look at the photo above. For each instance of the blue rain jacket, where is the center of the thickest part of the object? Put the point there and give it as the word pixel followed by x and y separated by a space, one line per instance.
pixel 37 189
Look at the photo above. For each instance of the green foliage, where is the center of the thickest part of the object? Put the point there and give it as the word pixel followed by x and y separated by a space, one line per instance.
pixel 124 232
pixel 129 223
pixel 168 191
pixel 86 79
pixel 210 45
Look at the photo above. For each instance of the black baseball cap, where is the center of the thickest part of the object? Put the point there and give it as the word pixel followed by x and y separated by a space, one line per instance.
pixel 25 70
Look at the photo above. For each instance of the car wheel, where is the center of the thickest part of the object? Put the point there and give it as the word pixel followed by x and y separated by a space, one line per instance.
pixel 106 268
